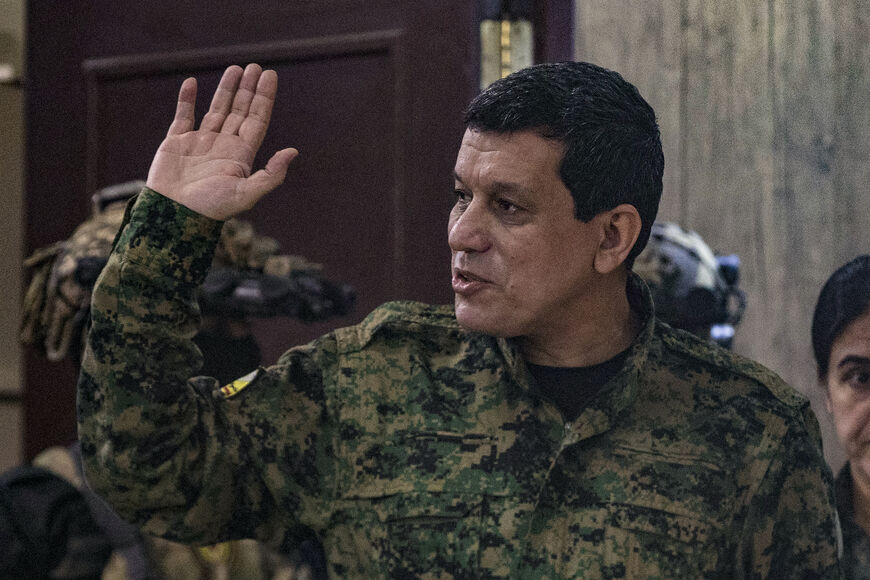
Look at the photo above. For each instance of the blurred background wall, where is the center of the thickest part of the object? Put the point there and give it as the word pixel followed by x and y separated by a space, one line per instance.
pixel 11 226
pixel 764 108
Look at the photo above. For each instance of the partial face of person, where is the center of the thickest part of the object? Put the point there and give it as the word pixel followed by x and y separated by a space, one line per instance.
pixel 848 399
pixel 521 262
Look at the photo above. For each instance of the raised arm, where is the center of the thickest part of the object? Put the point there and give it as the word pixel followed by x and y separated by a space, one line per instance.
pixel 171 452
pixel 209 170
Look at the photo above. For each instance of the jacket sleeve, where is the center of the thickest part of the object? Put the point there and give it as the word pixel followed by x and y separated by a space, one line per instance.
pixel 792 530
pixel 173 452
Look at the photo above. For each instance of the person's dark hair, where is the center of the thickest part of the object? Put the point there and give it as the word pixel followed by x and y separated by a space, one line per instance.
pixel 613 151
pixel 844 297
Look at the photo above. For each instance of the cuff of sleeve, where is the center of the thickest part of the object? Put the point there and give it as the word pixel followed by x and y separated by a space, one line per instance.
pixel 168 238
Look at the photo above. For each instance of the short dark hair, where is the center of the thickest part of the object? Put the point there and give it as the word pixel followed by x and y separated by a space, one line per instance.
pixel 844 297
pixel 613 150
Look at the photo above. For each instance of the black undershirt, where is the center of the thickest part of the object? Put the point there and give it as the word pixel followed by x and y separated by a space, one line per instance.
pixel 571 388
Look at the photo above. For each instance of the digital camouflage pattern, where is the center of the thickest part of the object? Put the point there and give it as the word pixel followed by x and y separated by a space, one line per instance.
pixel 56 302
pixel 416 449
pixel 856 542
pixel 54 320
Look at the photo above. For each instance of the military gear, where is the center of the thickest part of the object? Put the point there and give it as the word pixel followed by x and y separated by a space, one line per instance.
pixel 56 303
pixel 127 545
pixel 46 529
pixel 249 279
pixel 415 448
pixel 301 294
pixel 133 556
pixel 692 288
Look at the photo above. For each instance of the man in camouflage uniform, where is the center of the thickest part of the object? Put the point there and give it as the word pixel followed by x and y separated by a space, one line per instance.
pixel 545 426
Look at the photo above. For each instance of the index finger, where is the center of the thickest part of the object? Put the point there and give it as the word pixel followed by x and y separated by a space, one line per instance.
pixel 253 128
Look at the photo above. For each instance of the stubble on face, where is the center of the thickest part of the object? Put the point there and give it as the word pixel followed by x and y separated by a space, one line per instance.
pixel 521 261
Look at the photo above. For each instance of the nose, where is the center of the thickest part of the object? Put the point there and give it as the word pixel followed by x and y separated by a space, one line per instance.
pixel 468 229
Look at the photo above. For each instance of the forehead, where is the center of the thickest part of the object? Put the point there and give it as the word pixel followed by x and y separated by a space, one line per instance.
pixel 521 157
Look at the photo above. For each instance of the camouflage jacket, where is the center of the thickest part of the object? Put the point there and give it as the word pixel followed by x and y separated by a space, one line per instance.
pixel 416 449
pixel 856 542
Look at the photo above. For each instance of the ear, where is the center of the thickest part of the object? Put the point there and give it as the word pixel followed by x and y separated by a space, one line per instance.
pixel 620 228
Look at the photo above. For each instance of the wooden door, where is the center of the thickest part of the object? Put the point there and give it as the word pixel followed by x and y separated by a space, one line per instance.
pixel 371 93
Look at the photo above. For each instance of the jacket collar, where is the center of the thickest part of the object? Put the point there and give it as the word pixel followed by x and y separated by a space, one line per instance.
pixel 621 390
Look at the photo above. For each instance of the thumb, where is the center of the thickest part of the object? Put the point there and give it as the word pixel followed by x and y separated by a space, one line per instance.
pixel 270 177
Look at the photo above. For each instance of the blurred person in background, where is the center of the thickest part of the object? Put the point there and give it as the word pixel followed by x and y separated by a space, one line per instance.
pixel 841 345
pixel 692 287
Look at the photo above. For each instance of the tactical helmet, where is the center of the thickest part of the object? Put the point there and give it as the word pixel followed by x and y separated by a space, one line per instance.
pixel 57 301
pixel 249 278
pixel 692 287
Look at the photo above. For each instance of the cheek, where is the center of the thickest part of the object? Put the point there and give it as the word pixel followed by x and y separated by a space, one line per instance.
pixel 541 266
pixel 526 274
pixel 850 418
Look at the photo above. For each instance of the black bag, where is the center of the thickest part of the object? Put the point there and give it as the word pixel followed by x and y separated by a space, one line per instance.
pixel 46 529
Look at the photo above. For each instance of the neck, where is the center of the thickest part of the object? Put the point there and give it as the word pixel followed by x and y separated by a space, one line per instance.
pixel 602 327
pixel 861 500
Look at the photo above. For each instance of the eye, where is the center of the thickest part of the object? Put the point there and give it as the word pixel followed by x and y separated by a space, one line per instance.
pixel 507 207
pixel 461 196
pixel 858 378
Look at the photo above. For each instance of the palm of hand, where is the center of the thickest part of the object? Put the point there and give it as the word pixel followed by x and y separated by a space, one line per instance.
pixel 204 171
pixel 208 170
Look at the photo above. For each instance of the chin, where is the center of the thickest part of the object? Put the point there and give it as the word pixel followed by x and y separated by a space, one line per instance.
pixel 475 320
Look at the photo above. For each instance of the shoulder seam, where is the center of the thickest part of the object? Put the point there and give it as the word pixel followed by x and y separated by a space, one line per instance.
pixel 720 358
pixel 411 313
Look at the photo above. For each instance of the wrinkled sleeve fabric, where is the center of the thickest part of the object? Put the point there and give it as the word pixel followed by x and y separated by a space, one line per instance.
pixel 792 528
pixel 169 450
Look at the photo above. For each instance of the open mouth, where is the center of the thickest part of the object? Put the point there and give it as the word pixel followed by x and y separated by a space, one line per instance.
pixel 468 277
pixel 465 283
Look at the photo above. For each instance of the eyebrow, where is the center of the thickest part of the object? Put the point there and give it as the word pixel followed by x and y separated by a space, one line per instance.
pixel 853 359
pixel 499 186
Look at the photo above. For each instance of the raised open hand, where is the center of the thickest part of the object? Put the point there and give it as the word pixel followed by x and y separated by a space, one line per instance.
pixel 209 169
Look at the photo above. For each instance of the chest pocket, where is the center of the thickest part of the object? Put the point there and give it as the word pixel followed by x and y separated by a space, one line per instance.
pixel 625 513
pixel 622 540
pixel 418 502
pixel 649 542
pixel 667 521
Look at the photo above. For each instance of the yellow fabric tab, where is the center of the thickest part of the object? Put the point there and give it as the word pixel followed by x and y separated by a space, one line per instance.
pixel 217 554
pixel 235 387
